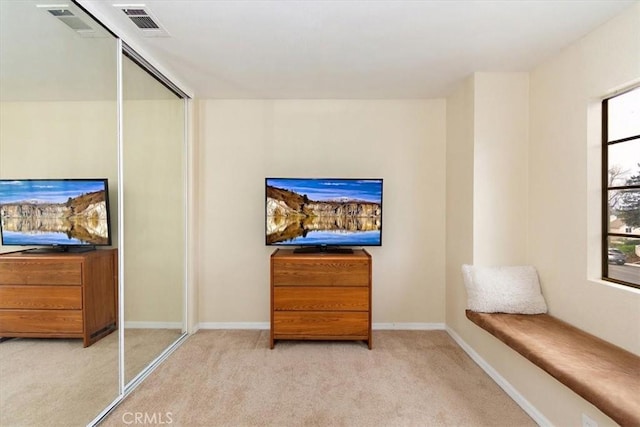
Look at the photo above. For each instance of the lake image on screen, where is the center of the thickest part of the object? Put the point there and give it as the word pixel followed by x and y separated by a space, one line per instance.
pixel 53 212
pixel 323 212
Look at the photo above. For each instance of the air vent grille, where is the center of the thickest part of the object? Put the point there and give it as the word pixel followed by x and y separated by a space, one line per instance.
pixel 72 21
pixel 60 12
pixel 145 22
pixel 134 12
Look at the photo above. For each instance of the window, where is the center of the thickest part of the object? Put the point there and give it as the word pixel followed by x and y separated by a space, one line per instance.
pixel 621 188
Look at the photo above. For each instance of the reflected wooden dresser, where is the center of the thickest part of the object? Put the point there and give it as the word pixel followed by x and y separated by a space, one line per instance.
pixel 58 295
pixel 320 296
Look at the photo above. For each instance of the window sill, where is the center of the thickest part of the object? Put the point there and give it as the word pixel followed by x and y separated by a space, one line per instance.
pixel 615 285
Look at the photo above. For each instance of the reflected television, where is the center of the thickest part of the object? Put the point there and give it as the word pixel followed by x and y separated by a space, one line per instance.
pixel 55 214
pixel 323 213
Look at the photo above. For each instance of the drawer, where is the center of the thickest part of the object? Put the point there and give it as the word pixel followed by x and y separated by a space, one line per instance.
pixel 321 298
pixel 41 297
pixel 318 272
pixel 40 272
pixel 303 324
pixel 40 321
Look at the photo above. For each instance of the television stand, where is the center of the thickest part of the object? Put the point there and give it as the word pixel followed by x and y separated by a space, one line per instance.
pixel 59 295
pixel 320 296
pixel 322 249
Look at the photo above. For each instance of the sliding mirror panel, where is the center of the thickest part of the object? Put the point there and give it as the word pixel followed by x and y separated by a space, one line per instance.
pixel 58 120
pixel 154 189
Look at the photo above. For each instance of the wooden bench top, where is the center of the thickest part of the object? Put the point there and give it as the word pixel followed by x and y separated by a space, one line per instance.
pixel 603 374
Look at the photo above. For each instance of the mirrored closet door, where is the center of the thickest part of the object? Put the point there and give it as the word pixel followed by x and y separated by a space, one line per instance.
pixel 154 224
pixel 62 117
pixel 58 120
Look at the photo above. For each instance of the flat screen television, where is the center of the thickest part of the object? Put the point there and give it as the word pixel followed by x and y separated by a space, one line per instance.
pixel 323 213
pixel 55 214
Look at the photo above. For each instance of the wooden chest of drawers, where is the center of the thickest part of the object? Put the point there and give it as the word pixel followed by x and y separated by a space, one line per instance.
pixel 320 296
pixel 61 295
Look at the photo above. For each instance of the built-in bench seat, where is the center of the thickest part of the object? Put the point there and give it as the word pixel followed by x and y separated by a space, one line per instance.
pixel 603 374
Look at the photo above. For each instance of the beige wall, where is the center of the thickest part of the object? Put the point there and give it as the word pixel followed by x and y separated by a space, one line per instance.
pixel 459 199
pixel 501 137
pixel 60 140
pixel 242 142
pixel 487 142
pixel 564 163
pixel 193 203
pixel 154 215
pixel 79 140
pixel 560 223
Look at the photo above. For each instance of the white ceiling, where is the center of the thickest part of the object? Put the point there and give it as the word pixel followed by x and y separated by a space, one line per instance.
pixel 42 59
pixel 349 49
pixel 353 49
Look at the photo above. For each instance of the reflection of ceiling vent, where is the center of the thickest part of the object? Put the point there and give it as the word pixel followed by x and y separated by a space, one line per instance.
pixel 66 16
pixel 145 21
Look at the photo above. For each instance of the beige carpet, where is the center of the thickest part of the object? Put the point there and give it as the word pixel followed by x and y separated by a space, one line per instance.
pixel 57 382
pixel 142 346
pixel 231 378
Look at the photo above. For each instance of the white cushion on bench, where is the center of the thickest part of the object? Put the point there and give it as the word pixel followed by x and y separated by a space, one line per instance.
pixel 507 289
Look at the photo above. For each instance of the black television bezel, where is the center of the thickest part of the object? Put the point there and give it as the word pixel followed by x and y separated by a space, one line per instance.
pixel 323 246
pixel 62 245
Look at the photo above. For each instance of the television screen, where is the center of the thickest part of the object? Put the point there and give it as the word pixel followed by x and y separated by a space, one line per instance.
pixel 54 212
pixel 323 212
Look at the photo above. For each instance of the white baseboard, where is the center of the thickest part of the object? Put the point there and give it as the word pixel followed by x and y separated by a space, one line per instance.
pixel 408 326
pixel 152 325
pixel 375 326
pixel 526 406
pixel 234 325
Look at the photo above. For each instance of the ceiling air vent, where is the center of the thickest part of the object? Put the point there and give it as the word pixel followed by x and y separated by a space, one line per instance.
pixel 145 21
pixel 72 21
